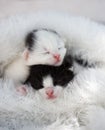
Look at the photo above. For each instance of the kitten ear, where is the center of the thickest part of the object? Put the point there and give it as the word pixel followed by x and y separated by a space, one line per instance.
pixel 29 57
pixel 25 54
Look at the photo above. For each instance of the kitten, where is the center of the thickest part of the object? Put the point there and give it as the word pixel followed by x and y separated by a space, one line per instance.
pixel 40 47
pixel 49 80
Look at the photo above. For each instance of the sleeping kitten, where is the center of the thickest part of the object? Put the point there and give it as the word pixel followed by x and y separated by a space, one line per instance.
pixel 39 47
pixel 49 80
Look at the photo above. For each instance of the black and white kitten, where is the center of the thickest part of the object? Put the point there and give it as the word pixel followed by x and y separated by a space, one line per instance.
pixel 49 80
pixel 39 47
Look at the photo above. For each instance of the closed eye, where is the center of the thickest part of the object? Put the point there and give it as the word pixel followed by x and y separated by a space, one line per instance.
pixel 47 52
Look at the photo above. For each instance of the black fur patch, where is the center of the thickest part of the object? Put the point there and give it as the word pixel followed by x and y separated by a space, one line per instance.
pixel 31 37
pixel 83 63
pixel 30 40
pixel 61 75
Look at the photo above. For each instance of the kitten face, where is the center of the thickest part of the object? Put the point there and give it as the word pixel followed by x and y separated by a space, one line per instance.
pixel 46 47
pixel 50 80
pixel 49 90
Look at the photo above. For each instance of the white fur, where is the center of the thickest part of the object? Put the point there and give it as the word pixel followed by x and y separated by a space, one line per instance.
pixel 67 112
pixel 48 81
pixel 96 118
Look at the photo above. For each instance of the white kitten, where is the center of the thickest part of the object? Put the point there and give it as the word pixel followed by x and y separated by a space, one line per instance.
pixel 40 47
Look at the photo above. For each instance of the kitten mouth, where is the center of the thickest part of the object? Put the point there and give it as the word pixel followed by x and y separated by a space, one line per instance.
pixel 52 97
pixel 57 61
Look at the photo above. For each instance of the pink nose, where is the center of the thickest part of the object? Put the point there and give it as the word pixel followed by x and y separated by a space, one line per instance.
pixel 49 91
pixel 57 57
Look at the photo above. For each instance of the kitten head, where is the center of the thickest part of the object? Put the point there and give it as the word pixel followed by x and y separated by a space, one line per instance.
pixel 44 47
pixel 50 80
pixel 50 90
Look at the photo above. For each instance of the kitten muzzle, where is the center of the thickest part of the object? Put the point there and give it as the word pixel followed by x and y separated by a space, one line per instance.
pixel 50 93
pixel 57 57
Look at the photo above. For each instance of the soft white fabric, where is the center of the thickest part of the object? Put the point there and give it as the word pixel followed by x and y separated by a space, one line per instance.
pixel 68 112
pixel 72 110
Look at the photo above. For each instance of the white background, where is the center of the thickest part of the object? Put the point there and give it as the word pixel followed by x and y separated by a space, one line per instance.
pixel 94 9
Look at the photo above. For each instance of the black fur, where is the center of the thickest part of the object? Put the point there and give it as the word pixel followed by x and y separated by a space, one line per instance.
pixel 83 62
pixel 61 75
pixel 29 41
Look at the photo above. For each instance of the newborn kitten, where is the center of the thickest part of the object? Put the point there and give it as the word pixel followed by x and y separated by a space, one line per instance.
pixel 39 47
pixel 50 80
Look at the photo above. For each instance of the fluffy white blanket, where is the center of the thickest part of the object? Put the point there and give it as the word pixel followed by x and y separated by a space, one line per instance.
pixel 81 105
pixel 73 110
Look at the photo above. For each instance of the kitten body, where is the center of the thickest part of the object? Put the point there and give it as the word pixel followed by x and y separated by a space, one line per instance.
pixel 39 47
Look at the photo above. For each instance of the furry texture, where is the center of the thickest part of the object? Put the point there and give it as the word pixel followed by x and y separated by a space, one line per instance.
pixel 70 111
pixel 67 112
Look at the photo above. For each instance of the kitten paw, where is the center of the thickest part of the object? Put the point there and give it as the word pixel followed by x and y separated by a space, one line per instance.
pixel 22 90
